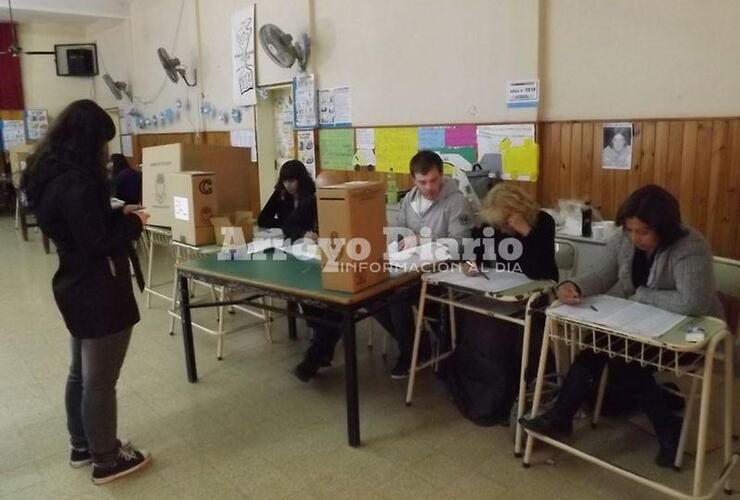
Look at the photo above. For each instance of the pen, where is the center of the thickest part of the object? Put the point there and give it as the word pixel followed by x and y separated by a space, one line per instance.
pixel 481 273
pixel 592 307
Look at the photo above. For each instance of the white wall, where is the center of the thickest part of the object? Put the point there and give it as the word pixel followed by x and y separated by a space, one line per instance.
pixel 114 57
pixel 42 88
pixel 426 61
pixel 641 59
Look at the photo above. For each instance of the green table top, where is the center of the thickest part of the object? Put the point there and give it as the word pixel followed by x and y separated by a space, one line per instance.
pixel 286 274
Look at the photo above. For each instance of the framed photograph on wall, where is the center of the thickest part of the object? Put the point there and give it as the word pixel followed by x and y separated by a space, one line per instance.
pixel 617 146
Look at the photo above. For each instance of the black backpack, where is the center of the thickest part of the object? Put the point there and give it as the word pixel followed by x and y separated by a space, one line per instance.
pixel 482 374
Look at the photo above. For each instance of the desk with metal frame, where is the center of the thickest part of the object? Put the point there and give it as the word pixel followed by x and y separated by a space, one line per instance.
pixel 671 353
pixel 184 252
pixel 295 281
pixel 506 305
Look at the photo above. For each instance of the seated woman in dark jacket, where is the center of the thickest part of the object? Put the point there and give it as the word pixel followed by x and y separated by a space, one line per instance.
pixel 126 181
pixel 653 260
pixel 292 206
pixel 65 183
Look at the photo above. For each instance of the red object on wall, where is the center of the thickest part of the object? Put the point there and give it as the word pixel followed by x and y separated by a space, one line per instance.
pixel 11 83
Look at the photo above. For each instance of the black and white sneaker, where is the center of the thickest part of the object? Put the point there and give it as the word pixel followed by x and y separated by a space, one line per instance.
pixel 401 370
pixel 129 460
pixel 82 458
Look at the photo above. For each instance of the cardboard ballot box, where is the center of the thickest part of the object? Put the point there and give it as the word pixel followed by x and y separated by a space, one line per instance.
pixel 348 211
pixel 231 167
pixel 194 203
pixel 242 219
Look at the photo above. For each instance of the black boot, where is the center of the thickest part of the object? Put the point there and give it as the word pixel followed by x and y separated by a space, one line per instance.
pixel 558 422
pixel 668 435
pixel 306 369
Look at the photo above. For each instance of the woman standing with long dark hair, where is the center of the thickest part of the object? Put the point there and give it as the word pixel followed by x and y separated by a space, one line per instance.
pixel 66 185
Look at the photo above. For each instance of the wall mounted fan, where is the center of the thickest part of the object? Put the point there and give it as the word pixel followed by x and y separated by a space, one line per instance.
pixel 281 48
pixel 118 89
pixel 174 69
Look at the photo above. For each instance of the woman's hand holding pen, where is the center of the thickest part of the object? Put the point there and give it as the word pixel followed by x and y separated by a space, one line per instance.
pixel 568 293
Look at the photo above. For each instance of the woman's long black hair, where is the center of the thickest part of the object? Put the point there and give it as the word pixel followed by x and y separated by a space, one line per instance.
pixel 295 170
pixel 77 139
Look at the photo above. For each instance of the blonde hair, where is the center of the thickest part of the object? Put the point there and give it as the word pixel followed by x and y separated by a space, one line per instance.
pixel 505 199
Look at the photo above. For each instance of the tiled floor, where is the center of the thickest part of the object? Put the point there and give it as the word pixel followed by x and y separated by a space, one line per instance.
pixel 248 429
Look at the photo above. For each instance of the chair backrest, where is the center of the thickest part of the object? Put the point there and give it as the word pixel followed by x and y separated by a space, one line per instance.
pixel 566 257
pixel 727 276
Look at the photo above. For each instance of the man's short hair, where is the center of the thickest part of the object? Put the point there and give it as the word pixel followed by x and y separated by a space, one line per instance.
pixel 424 161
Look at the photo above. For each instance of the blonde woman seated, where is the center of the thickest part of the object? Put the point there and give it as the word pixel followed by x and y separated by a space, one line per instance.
pixel 484 373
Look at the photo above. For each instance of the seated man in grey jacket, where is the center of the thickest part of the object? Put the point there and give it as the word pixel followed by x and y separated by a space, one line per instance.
pixel 653 260
pixel 434 209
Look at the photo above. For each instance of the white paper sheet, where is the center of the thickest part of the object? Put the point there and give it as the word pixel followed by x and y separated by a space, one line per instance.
pixel 365 138
pixel 182 208
pixel 127 146
pixel 304 100
pixel 622 315
pixel 245 139
pixel 426 254
pixel 498 281
pixel 335 107
pixel 242 56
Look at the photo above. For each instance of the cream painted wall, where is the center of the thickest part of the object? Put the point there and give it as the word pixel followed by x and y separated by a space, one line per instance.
pixel 640 59
pixel 42 88
pixel 114 57
pixel 426 61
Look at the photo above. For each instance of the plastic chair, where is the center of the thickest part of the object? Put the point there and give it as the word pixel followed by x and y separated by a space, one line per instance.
pixel 566 257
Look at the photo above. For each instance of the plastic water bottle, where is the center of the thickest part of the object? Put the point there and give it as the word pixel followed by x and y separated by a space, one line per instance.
pixel 391 189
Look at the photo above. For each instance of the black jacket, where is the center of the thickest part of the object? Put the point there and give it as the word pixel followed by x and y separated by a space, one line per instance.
pixel 538 257
pixel 282 213
pixel 92 286
pixel 127 186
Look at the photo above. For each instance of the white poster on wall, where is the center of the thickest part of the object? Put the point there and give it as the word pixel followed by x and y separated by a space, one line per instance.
pixel 307 150
pixel 522 93
pixel 242 50
pixel 335 107
pixel 304 101
pixel 14 133
pixel 617 152
pixel 37 122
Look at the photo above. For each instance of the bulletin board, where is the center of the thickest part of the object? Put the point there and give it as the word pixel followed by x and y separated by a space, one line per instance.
pixel 387 149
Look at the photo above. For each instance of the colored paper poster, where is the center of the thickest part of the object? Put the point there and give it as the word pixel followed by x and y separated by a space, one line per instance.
pixel 307 150
pixel 460 136
pixel 394 147
pixel 431 138
pixel 337 148
pixel 242 57
pixel 490 136
pixel 520 162
pixel 14 133
pixel 467 153
pixel 365 138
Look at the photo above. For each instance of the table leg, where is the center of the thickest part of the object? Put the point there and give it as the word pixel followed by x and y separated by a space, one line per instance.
pixel 701 440
pixel 350 377
pixel 729 376
pixel 540 382
pixel 292 324
pixel 187 330
pixel 521 402
pixel 149 272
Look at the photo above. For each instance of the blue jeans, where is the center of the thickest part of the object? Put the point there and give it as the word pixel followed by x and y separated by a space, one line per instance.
pixel 91 395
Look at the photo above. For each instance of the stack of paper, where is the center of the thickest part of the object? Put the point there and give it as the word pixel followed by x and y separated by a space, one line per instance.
pixel 418 256
pixel 621 315
pixel 498 281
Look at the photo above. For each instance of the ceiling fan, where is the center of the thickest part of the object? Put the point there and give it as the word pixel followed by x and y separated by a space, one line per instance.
pixel 15 50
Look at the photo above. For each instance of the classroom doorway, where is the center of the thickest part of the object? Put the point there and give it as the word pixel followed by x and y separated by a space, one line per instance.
pixel 275 142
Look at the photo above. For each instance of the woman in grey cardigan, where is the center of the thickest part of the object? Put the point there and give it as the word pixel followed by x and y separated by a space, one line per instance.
pixel 653 260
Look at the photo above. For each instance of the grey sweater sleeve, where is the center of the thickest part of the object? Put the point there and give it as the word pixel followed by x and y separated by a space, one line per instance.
pixel 602 280
pixel 461 220
pixel 693 275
